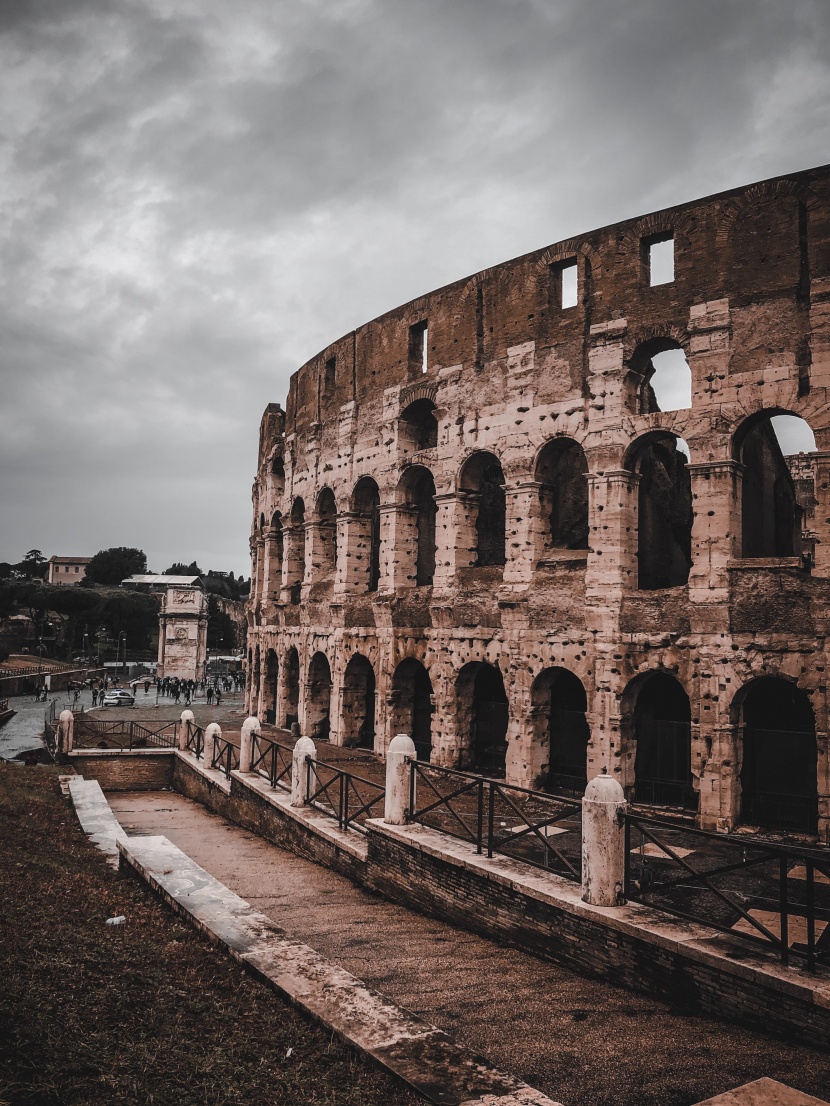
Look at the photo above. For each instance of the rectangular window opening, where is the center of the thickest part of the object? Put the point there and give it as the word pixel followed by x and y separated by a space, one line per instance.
pixel 660 257
pixel 568 284
pixel 330 376
pixel 418 348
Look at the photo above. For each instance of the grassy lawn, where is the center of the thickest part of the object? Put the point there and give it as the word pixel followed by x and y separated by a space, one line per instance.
pixel 147 1012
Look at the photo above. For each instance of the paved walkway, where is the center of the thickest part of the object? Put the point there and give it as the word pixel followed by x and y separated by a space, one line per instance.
pixel 579 1041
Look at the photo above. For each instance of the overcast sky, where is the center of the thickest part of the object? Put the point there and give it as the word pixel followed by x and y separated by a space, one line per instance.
pixel 198 195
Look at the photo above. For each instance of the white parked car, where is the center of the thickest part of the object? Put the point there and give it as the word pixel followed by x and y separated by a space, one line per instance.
pixel 118 698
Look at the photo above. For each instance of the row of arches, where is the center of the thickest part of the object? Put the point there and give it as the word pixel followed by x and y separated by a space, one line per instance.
pixel 772 513
pixel 778 751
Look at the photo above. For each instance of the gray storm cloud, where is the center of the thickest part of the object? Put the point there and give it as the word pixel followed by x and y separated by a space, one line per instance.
pixel 195 197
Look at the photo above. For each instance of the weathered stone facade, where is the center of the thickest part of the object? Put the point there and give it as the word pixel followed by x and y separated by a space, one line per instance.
pixel 183 633
pixel 474 524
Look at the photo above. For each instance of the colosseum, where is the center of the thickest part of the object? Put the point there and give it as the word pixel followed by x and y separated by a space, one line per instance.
pixel 573 513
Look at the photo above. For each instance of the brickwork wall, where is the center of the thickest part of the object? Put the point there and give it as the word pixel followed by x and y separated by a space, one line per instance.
pixel 139 770
pixel 508 371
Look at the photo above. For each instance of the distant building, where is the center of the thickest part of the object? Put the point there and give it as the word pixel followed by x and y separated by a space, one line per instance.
pixel 67 570
pixel 153 582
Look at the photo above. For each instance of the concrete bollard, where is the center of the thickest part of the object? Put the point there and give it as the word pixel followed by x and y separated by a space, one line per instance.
pixel 603 842
pixel 66 730
pixel 213 731
pixel 305 747
pixel 400 752
pixel 187 716
pixel 246 742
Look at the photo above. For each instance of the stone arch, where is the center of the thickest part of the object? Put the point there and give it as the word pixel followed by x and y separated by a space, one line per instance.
pixel 275 555
pixel 561 471
pixel 418 426
pixel 658 369
pixel 365 538
pixel 757 195
pixel 481 482
pixel 560 730
pixel 295 553
pixel 656 721
pixel 664 511
pixel 772 508
pixel 270 687
pixel 482 716
pixel 416 530
pixel 254 675
pixel 325 519
pixel 411 705
pixel 291 687
pixel 359 703
pixel 318 697
pixel 779 754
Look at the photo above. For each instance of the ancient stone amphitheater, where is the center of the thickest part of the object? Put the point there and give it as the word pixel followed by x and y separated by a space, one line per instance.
pixel 550 518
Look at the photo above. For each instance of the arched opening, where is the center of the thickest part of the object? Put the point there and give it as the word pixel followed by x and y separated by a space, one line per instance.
pixel 254 675
pixel 779 774
pixel 483 717
pixel 296 552
pixel 275 553
pixel 418 426
pixel 291 693
pixel 278 468
pixel 482 481
pixel 664 511
pixel 561 470
pixel 359 703
pixel 416 545
pixel 318 704
pixel 773 504
pixel 660 378
pixel 269 690
pixel 559 705
pixel 366 510
pixel 662 731
pixel 326 520
pixel 412 705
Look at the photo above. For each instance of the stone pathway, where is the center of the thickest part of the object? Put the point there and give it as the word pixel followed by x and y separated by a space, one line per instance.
pixel 577 1040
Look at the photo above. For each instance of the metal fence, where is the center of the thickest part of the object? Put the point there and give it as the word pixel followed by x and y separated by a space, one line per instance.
pixel 347 798
pixel 776 895
pixel 194 738
pixel 225 756
pixel 100 733
pixel 531 826
pixel 272 760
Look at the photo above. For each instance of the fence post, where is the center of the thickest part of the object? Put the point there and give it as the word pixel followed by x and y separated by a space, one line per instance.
pixel 246 742
pixel 400 752
pixel 213 731
pixel 603 842
pixel 66 730
pixel 187 716
pixel 305 747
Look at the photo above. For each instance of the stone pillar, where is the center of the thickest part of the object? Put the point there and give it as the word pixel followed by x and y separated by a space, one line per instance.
pixel 821 462
pixel 304 747
pixel 612 558
pixel 455 536
pixel 603 842
pixel 716 533
pixel 212 734
pixel 398 535
pixel 260 572
pixel 525 533
pixel 66 730
pixel 187 717
pixel 250 727
pixel 396 802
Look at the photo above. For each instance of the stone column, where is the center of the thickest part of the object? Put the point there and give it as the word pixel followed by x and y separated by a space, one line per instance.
pixel 396 801
pixel 525 534
pixel 603 842
pixel 821 471
pixel 612 558
pixel 455 536
pixel 399 537
pixel 716 536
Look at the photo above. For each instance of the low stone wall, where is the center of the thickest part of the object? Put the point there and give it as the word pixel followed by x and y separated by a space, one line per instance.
pixel 128 770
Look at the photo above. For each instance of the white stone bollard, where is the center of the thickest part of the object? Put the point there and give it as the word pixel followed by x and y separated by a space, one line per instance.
pixel 246 742
pixel 213 731
pixel 305 747
pixel 400 752
pixel 603 842
pixel 187 716
pixel 66 730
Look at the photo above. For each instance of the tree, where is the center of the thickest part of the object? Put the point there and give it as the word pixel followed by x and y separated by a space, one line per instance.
pixel 33 566
pixel 75 607
pixel 179 569
pixel 133 614
pixel 221 629
pixel 111 566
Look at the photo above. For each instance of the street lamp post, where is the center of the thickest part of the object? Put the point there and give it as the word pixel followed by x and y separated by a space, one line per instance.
pixel 123 636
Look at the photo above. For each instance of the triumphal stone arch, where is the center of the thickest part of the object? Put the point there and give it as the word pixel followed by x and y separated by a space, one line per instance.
pixel 573 513
pixel 183 633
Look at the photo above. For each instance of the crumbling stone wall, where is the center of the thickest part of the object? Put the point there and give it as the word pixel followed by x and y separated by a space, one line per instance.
pixel 493 375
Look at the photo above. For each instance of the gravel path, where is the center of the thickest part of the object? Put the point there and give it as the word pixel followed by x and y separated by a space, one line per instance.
pixel 581 1041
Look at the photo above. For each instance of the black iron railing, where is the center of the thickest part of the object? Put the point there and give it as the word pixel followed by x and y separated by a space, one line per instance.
pixel 272 760
pixel 532 826
pixel 194 738
pixel 99 733
pixel 347 798
pixel 225 756
pixel 777 895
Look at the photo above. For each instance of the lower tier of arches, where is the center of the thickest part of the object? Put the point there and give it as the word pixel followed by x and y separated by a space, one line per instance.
pixel 709 727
